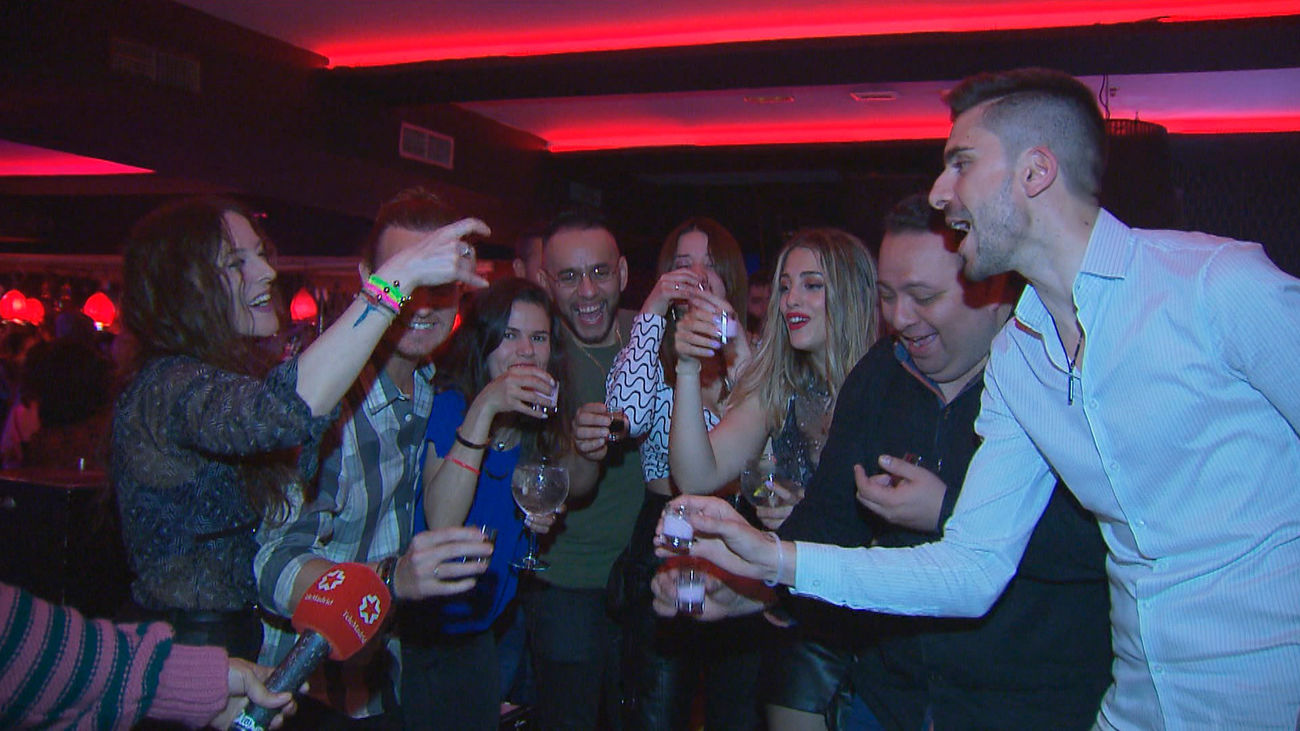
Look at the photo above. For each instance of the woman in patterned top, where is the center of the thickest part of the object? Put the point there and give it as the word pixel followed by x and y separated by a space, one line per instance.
pixel 822 318
pixel 202 435
pixel 665 660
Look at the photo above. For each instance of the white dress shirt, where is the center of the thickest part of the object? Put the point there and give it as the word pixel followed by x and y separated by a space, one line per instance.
pixel 1182 438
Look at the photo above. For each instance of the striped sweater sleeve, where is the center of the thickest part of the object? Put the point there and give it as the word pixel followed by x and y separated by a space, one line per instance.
pixel 58 668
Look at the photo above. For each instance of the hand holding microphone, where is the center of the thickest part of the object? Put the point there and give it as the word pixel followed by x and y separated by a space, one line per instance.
pixel 337 616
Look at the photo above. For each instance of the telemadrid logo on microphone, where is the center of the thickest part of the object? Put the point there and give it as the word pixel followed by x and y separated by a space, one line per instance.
pixel 369 610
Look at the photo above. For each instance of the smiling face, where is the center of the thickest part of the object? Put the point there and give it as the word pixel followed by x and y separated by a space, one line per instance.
pixel 693 254
pixel 426 320
pixel 975 192
pixel 526 340
pixel 242 261
pixel 802 300
pixel 945 322
pixel 585 275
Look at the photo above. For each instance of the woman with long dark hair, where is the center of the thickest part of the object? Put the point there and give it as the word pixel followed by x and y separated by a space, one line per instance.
pixel 203 434
pixel 502 401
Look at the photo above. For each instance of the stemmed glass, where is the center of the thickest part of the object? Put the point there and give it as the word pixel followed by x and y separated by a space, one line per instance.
pixel 766 483
pixel 538 489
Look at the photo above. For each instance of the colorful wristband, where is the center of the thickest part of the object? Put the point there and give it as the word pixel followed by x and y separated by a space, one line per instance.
pixel 389 289
pixel 457 462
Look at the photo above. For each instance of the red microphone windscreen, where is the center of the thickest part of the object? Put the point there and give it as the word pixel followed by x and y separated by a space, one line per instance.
pixel 347 606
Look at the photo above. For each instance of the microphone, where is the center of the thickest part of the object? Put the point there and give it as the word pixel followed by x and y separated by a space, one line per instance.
pixel 337 616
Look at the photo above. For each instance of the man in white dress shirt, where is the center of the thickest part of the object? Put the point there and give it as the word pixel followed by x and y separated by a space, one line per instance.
pixel 1153 371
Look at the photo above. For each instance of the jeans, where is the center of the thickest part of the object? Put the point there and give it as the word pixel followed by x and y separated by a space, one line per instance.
pixel 451 682
pixel 575 646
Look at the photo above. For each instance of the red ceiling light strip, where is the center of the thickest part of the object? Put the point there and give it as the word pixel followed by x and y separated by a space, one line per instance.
pixel 24 160
pixel 656 134
pixel 625 31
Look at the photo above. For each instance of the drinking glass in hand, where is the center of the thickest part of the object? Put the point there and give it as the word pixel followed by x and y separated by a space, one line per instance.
pixel 538 489
pixel 690 590
pixel 767 484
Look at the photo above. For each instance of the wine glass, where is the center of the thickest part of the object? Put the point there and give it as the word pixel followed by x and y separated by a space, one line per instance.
pixel 538 489
pixel 766 483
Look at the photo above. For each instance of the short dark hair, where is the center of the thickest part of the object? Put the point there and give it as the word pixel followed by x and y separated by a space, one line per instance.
pixel 577 219
pixel 914 214
pixel 525 237
pixel 1037 106
pixel 416 209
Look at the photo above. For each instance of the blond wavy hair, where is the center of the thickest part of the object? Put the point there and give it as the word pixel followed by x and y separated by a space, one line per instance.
pixel 777 370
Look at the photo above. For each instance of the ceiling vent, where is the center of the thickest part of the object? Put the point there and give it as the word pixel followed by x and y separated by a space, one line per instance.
pixel 165 69
pixel 425 145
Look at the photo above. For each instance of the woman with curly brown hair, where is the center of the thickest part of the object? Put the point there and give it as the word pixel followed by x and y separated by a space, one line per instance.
pixel 203 434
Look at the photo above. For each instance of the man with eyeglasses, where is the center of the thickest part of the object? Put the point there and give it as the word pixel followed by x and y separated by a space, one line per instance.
pixel 575 642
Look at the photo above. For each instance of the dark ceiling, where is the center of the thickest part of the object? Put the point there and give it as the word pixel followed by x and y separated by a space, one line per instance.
pixel 274 121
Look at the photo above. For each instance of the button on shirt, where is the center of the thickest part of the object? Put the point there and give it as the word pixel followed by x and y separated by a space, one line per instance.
pixel 1182 438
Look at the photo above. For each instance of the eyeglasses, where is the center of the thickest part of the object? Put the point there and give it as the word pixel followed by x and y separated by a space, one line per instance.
pixel 571 278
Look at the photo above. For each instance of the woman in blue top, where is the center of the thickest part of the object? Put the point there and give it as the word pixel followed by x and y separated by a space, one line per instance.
pixel 502 401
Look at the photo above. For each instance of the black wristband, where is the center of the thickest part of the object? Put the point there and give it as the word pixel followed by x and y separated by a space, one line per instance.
pixel 467 443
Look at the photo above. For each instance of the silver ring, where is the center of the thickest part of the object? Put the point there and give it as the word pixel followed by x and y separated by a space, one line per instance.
pixel 677 286
pixel 466 251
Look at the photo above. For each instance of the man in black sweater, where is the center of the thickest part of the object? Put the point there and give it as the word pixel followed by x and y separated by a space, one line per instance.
pixel 1041 657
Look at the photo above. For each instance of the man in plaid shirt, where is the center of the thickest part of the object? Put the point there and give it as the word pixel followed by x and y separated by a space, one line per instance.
pixel 359 506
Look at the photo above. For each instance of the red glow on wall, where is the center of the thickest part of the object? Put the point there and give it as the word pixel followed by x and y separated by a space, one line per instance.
pixel 627 29
pixel 25 160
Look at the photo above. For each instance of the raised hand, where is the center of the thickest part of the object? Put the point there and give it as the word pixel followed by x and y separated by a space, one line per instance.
pixel 522 388
pixel 444 255
pixel 673 286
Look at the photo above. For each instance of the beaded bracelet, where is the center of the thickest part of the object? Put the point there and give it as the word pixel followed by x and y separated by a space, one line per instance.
pixel 388 289
pixel 374 292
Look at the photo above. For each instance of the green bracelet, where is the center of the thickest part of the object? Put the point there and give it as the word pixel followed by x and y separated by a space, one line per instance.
pixel 390 290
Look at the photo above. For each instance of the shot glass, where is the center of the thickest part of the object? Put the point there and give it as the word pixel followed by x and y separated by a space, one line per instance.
pixel 679 534
pixel 690 590
pixel 618 426
pixel 910 458
pixel 550 401
pixel 489 536
pixel 727 327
